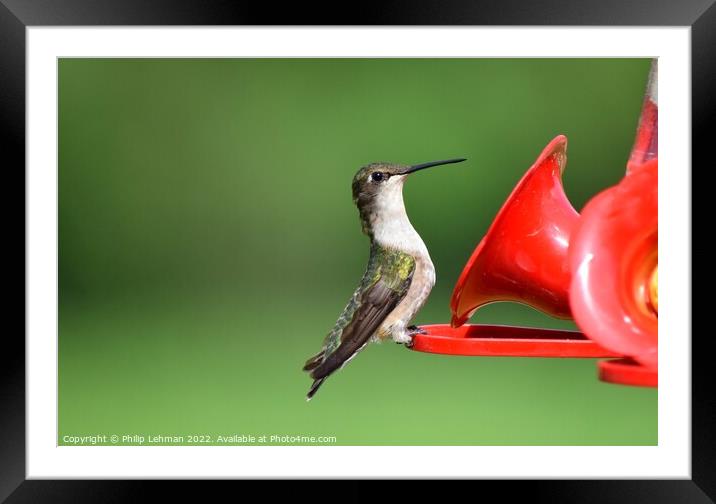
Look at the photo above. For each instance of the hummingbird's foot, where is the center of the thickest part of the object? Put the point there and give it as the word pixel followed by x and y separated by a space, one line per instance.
pixel 403 337
pixel 406 337
pixel 413 330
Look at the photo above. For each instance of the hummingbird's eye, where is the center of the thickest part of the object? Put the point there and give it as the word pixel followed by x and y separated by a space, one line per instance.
pixel 377 177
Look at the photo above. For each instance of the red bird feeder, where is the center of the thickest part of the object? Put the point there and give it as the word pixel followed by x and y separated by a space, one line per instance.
pixel 599 268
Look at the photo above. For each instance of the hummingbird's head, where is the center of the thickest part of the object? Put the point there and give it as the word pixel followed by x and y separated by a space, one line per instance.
pixel 378 189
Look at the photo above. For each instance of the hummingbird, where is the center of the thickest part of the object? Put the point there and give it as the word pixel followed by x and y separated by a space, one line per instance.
pixel 397 280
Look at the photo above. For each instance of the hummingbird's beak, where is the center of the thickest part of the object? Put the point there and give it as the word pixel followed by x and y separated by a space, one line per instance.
pixel 417 167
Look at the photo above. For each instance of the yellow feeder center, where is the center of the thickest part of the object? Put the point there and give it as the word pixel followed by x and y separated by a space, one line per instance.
pixel 654 290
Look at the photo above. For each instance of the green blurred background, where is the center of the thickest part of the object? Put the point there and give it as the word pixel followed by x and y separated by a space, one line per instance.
pixel 208 242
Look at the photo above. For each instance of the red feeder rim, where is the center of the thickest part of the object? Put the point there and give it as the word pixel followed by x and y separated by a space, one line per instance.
pixel 506 341
pixel 627 372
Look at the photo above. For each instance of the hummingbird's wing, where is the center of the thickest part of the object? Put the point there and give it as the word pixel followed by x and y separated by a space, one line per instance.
pixel 385 284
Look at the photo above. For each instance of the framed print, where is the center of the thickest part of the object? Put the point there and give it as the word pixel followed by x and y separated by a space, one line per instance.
pixel 219 219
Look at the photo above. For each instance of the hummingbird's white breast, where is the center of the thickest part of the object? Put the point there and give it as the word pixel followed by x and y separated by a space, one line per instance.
pixel 392 229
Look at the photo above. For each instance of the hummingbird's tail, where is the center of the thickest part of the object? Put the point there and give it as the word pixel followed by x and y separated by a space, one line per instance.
pixel 310 365
pixel 314 388
pixel 314 361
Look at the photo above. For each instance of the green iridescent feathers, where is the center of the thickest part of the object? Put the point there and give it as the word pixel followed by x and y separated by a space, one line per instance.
pixel 384 284
pixel 391 267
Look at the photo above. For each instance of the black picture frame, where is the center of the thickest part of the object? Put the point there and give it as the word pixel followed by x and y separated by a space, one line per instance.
pixel 17 15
